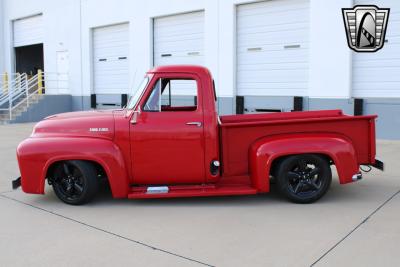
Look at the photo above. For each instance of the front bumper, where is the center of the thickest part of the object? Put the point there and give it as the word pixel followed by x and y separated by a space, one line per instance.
pixel 16 183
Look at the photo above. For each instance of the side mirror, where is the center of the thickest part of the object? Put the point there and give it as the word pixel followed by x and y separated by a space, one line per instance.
pixel 135 116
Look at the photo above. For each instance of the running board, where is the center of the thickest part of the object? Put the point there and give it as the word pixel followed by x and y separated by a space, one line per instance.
pixel 190 191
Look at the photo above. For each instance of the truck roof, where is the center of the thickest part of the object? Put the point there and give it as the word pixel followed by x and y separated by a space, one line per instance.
pixel 181 68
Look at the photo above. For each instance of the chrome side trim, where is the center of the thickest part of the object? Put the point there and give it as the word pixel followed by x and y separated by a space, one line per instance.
pixel 157 189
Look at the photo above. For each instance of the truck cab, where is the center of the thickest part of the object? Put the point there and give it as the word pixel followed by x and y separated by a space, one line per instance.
pixel 174 128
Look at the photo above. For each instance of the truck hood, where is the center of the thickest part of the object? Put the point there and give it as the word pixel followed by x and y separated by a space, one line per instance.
pixel 98 124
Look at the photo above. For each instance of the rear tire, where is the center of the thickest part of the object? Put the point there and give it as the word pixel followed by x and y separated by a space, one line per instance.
pixel 304 178
pixel 75 182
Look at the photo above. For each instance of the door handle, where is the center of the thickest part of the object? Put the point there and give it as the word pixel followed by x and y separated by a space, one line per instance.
pixel 197 123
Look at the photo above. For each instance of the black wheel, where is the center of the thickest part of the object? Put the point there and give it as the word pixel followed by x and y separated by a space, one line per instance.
pixel 304 178
pixel 75 182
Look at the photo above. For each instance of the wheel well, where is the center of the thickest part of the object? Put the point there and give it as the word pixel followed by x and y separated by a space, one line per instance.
pixel 278 160
pixel 101 173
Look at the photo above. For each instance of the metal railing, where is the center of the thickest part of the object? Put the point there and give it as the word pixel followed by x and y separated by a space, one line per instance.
pixel 20 89
pixel 16 92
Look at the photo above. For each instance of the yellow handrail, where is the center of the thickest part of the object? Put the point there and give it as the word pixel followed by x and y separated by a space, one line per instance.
pixel 5 83
pixel 40 82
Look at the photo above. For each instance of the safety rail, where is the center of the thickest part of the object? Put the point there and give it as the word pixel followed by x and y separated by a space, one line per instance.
pixel 21 89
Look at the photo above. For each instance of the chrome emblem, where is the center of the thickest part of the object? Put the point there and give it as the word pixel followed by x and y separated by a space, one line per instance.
pixel 98 130
pixel 365 27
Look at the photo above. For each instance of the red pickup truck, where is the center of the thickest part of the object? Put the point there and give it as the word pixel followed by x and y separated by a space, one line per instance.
pixel 170 142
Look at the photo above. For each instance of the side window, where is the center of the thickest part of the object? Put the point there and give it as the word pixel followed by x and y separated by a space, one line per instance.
pixel 153 102
pixel 173 95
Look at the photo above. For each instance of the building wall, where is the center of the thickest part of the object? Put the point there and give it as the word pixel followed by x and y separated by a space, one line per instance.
pixel 1 38
pixel 69 23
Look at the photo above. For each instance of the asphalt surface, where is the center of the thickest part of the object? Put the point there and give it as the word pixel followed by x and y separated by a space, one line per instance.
pixel 353 225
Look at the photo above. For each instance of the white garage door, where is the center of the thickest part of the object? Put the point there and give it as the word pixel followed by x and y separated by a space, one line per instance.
pixel 272 48
pixel 28 31
pixel 110 59
pixel 378 74
pixel 179 39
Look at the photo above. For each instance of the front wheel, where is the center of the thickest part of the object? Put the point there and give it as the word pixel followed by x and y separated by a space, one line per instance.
pixel 75 182
pixel 304 178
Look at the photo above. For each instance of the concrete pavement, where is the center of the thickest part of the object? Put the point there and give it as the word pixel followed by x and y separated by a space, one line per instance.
pixel 355 224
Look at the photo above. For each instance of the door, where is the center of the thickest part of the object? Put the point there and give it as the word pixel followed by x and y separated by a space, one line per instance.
pixel 110 61
pixel 167 140
pixel 179 39
pixel 62 72
pixel 272 48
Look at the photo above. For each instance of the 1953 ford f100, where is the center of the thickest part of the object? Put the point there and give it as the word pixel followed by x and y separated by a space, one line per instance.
pixel 170 142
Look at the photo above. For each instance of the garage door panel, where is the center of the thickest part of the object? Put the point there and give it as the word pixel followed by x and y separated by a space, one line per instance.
pixel 291 37
pixel 110 73
pixel 180 60
pixel 283 10
pixel 273 6
pixel 378 64
pixel 389 51
pixel 112 81
pixel 393 24
pixel 263 20
pixel 111 70
pixel 274 75
pixel 179 39
pixel 111 59
pixel 110 42
pixel 268 85
pixel 187 28
pixel 388 90
pixel 274 28
pixel 373 86
pixel 110 54
pixel 378 74
pixel 28 31
pixel 176 20
pixel 274 92
pixel 270 89
pixel 273 57
pixel 372 74
pixel 282 66
pixel 272 47
pixel 172 46
pixel 106 36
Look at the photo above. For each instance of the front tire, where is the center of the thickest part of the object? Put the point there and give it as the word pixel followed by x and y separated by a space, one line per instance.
pixel 304 178
pixel 75 182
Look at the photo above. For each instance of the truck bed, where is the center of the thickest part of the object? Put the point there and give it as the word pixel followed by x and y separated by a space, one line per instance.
pixel 238 132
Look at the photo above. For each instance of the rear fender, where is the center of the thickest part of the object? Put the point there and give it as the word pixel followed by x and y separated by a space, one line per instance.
pixel 265 150
pixel 36 155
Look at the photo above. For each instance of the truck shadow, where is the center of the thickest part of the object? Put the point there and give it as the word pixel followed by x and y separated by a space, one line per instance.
pixel 337 194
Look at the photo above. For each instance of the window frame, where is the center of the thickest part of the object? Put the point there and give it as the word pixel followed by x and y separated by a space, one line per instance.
pixel 180 76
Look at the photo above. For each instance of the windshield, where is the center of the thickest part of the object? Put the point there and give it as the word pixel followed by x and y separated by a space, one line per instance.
pixel 135 97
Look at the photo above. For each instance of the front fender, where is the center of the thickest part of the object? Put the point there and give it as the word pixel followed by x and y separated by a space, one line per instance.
pixel 265 150
pixel 35 156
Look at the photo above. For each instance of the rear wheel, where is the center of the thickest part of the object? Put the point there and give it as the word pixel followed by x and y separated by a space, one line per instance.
pixel 75 182
pixel 304 178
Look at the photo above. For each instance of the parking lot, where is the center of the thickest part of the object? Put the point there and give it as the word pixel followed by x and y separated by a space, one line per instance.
pixel 353 225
